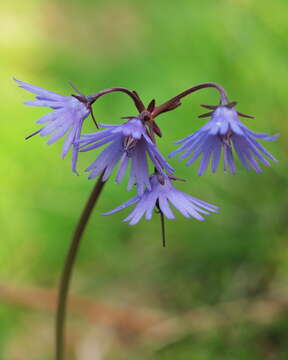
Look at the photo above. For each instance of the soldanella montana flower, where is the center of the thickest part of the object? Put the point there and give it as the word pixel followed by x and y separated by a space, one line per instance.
pixel 158 197
pixel 128 143
pixel 66 119
pixel 223 132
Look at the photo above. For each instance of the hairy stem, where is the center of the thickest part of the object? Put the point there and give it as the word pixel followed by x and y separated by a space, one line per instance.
pixel 68 267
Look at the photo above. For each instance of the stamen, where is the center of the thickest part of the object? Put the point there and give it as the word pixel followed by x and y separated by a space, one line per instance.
pixel 160 178
pixel 129 144
pixel 226 139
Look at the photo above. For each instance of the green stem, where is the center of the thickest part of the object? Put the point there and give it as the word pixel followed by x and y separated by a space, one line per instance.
pixel 68 267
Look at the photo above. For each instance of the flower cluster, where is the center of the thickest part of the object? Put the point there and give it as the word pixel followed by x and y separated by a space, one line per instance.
pixel 132 145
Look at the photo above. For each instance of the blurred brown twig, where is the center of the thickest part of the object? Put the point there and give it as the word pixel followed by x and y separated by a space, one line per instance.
pixel 146 322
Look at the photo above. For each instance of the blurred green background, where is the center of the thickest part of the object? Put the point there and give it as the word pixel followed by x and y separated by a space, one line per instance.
pixel 220 286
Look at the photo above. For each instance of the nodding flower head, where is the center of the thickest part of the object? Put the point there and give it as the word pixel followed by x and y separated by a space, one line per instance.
pixel 128 142
pixel 158 197
pixel 224 131
pixel 66 119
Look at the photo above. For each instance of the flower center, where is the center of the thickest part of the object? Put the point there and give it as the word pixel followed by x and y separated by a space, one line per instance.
pixel 129 144
pixel 226 138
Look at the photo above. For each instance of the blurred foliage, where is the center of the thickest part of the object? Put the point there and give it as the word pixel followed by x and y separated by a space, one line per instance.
pixel 158 48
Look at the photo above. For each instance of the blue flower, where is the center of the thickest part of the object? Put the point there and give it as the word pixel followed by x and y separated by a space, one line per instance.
pixel 66 119
pixel 129 142
pixel 158 197
pixel 225 131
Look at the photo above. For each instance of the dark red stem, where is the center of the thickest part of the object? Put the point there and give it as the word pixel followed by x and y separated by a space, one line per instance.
pixel 68 267
pixel 134 96
pixel 172 103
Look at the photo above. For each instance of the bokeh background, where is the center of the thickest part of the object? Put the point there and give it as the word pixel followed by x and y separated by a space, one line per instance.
pixel 219 290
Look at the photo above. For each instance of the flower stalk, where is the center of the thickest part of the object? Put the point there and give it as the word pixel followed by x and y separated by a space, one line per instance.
pixel 174 102
pixel 133 94
pixel 68 268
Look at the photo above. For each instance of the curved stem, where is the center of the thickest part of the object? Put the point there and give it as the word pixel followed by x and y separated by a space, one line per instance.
pixel 68 267
pixel 135 97
pixel 175 101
